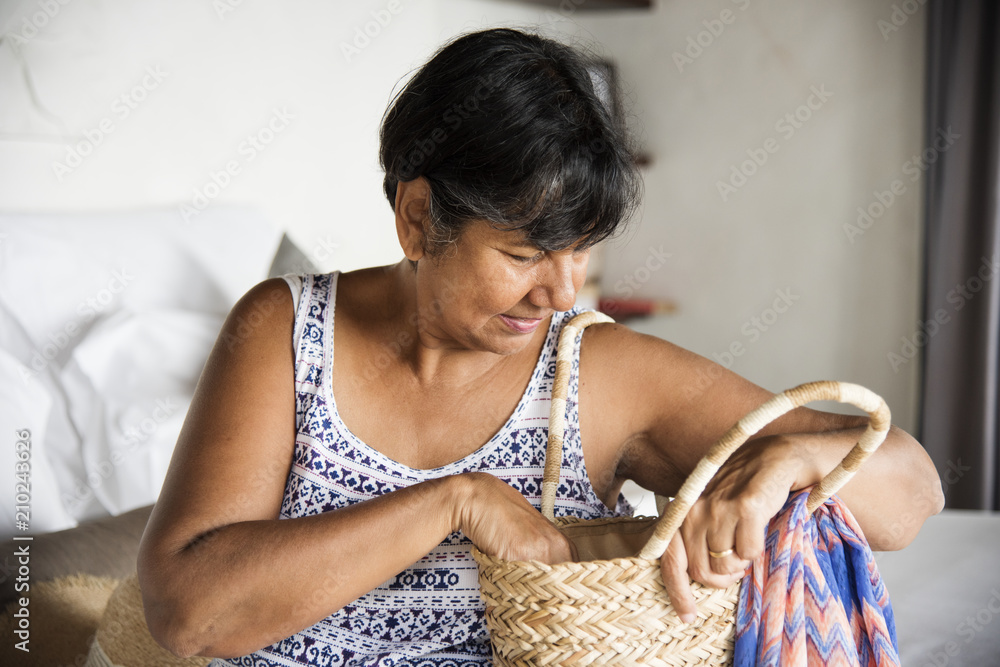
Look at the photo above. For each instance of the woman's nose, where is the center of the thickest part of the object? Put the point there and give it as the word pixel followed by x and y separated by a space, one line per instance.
pixel 564 277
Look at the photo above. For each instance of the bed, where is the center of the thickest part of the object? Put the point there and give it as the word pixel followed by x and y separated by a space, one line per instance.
pixel 105 323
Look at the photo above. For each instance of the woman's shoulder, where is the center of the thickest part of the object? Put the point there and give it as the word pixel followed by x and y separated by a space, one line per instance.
pixel 266 309
pixel 267 299
pixel 627 367
pixel 606 340
pixel 363 290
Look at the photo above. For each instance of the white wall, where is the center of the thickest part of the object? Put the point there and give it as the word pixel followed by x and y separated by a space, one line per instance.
pixel 227 71
pixel 853 296
pixel 227 65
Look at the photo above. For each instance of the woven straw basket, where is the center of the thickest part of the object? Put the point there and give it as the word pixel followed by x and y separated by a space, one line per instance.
pixel 611 608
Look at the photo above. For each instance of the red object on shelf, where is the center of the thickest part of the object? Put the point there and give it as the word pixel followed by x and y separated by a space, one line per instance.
pixel 625 308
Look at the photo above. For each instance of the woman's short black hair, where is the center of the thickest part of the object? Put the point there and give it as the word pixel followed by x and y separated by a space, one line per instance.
pixel 507 127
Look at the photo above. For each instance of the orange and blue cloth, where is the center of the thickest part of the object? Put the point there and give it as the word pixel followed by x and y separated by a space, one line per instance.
pixel 815 596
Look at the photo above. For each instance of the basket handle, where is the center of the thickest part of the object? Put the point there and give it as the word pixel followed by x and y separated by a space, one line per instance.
pixel 843 392
pixel 557 411
pixel 718 453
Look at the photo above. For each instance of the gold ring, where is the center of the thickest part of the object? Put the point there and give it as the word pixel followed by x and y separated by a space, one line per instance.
pixel 719 554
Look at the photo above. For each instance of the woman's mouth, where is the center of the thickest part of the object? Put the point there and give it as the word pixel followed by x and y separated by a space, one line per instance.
pixel 521 324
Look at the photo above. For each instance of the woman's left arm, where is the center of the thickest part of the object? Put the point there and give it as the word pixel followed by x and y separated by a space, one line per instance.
pixel 666 406
pixel 650 411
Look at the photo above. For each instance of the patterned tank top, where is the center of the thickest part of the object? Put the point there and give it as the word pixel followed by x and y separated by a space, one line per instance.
pixel 431 614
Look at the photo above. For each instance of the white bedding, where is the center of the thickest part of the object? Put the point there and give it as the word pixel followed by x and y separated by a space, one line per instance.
pixel 105 323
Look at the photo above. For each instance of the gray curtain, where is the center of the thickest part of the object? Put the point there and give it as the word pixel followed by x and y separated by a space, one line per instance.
pixel 961 319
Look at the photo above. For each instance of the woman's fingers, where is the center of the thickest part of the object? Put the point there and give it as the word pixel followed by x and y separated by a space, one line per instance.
pixel 721 555
pixel 725 566
pixel 502 523
pixel 674 568
pixel 710 528
pixel 750 539
pixel 741 540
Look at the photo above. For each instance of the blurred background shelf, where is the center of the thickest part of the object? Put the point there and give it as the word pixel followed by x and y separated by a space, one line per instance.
pixel 586 5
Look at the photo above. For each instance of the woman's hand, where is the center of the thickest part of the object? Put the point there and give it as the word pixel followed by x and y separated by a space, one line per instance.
pixel 730 519
pixel 502 524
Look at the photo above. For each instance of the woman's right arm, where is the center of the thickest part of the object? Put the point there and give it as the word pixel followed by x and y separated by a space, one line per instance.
pixel 221 575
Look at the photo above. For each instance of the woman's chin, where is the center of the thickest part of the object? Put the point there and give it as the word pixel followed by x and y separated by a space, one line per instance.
pixel 507 342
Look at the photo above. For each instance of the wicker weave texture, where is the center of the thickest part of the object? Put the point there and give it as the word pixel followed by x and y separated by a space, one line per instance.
pixel 611 612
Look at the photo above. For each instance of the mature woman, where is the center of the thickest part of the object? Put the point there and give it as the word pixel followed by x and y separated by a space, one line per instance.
pixel 339 457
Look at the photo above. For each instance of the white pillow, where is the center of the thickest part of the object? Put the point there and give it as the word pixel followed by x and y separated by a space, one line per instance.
pixel 131 381
pixel 107 314
pixel 34 401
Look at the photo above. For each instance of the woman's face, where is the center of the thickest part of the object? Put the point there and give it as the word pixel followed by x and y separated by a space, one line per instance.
pixel 491 291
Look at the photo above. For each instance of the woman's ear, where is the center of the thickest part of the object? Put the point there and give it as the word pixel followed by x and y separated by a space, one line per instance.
pixel 412 216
